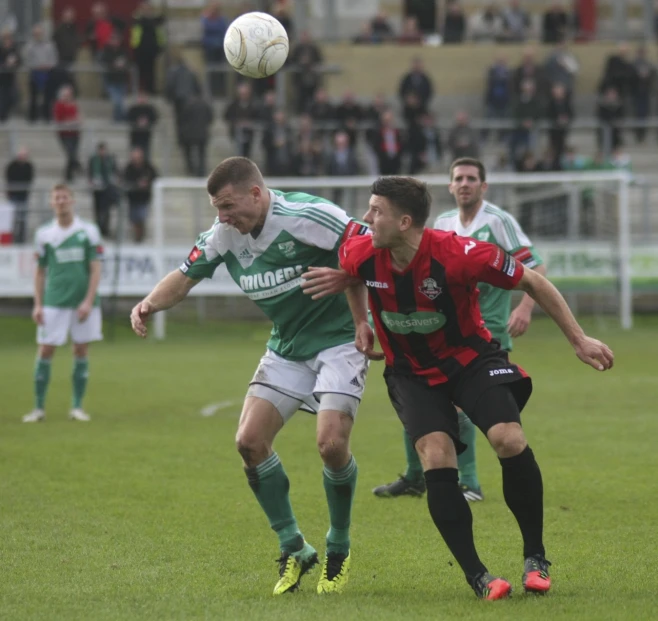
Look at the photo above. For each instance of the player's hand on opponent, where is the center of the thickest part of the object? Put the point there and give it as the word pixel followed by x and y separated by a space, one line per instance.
pixel 595 353
pixel 519 320
pixel 83 311
pixel 37 315
pixel 319 282
pixel 365 342
pixel 138 317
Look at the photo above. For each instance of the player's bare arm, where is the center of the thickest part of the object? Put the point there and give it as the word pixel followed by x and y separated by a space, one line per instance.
pixel 319 282
pixel 94 279
pixel 521 316
pixel 39 284
pixel 357 298
pixel 173 288
pixel 591 351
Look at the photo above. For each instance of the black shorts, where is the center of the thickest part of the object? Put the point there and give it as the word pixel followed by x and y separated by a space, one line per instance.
pixel 424 409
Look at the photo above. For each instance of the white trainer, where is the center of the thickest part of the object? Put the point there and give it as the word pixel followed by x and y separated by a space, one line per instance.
pixel 35 416
pixel 78 414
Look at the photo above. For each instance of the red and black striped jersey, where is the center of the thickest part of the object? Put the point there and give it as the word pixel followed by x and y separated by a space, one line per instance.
pixel 427 317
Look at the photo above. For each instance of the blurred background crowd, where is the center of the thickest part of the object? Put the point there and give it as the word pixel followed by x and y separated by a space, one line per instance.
pixel 128 91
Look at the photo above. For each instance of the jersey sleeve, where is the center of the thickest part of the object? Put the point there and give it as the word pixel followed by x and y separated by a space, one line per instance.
pixel 203 259
pixel 94 250
pixel 512 238
pixel 469 261
pixel 350 255
pixel 40 249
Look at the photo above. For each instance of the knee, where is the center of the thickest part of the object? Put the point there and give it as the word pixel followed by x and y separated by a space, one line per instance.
pixel 333 450
pixel 46 352
pixel 436 450
pixel 507 439
pixel 252 446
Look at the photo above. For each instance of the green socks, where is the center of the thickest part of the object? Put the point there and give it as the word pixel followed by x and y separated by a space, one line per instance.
pixel 270 484
pixel 41 380
pixel 339 486
pixel 80 375
pixel 466 461
pixel 414 471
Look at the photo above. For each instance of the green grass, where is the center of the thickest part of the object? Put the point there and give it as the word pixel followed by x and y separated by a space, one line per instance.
pixel 145 512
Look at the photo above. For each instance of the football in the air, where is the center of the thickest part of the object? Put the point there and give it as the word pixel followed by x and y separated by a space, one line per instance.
pixel 256 45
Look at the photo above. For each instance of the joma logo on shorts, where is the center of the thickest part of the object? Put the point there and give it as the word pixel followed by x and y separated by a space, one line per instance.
pixel 375 284
pixel 264 280
pixel 493 372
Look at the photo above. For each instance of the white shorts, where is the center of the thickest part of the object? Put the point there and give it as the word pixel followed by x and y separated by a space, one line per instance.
pixel 58 323
pixel 338 370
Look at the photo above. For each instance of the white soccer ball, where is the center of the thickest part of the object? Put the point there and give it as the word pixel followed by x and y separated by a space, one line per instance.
pixel 256 45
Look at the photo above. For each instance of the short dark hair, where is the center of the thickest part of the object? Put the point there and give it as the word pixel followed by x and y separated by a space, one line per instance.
pixel 238 171
pixel 469 161
pixel 408 195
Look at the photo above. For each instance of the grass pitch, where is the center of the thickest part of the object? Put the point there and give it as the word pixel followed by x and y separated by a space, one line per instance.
pixel 145 512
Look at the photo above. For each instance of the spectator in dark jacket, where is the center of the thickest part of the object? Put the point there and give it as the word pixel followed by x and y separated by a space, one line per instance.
pixel 560 115
pixel 19 175
pixel 213 27
pixel 424 144
pixel 529 69
pixel 417 81
pixel 389 145
pixel 454 26
pixel 643 87
pixel 241 116
pixel 278 145
pixel 618 72
pixel 380 28
pixel 10 59
pixel 116 78
pixel 463 139
pixel 66 37
pixel 180 83
pixel 142 117
pixel 555 24
pixel 101 173
pixel 308 159
pixel 138 177
pixel 194 133
pixel 306 57
pixel 147 41
pixel 610 111
pixel 528 111
pixel 349 114
pixel 498 95
pixel 342 162
pixel 321 109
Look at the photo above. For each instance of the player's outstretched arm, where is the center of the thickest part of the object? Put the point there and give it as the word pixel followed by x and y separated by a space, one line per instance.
pixel 319 282
pixel 520 317
pixel 167 293
pixel 357 298
pixel 589 350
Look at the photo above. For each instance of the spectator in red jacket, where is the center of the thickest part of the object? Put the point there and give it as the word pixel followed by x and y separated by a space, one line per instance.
pixel 67 117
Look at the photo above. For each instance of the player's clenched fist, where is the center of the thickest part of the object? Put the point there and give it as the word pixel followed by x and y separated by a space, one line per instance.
pixel 595 353
pixel 138 317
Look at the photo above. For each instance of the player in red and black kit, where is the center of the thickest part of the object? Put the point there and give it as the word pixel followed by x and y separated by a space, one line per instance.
pixel 421 286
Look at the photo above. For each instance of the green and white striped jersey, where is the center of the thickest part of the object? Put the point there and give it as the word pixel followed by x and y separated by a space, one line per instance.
pixel 66 253
pixel 494 225
pixel 300 231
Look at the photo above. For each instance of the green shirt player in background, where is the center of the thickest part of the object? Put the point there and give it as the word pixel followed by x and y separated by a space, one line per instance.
pixel 475 217
pixel 65 300
pixel 267 239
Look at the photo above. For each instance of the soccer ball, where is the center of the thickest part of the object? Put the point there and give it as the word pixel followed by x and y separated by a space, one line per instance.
pixel 256 45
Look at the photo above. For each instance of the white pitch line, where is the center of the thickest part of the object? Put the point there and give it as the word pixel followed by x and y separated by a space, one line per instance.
pixel 212 408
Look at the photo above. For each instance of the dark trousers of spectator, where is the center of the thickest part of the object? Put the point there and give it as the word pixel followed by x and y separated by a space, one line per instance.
pixel 520 142
pixel 7 96
pixel 389 164
pixel 641 106
pixel 611 134
pixel 496 112
pixel 243 142
pixel 39 104
pixel 20 221
pixel 416 162
pixel 146 67
pixel 216 79
pixel 117 95
pixel 195 158
pixel 137 214
pixel 70 143
pixel 141 140
pixel 558 139
pixel 103 200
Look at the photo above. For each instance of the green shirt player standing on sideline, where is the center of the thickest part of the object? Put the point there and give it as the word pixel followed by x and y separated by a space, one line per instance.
pixel 65 300
pixel 267 239
pixel 476 218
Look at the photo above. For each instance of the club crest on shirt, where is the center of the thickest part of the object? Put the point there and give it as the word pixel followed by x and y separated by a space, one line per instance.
pixel 483 236
pixel 288 249
pixel 430 289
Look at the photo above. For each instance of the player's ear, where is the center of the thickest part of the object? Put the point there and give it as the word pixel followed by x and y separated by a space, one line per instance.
pixel 485 185
pixel 451 189
pixel 406 222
